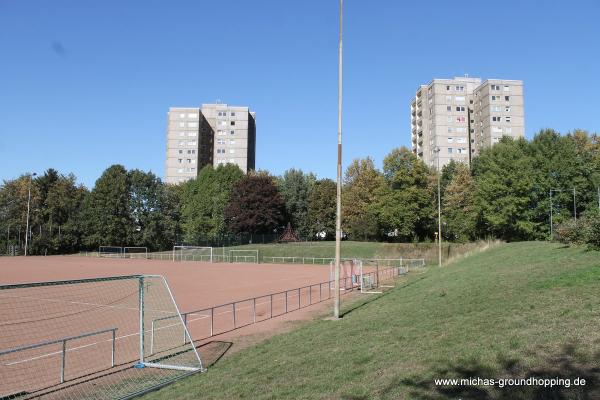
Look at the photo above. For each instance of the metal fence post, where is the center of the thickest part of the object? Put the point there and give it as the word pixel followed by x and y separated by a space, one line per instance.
pixel 62 361
pixel 271 306
pixel 141 310
pixel 212 321
pixel 114 339
pixel 298 298
pixel 254 310
pixel 185 328
pixel 310 295
pixel 234 324
pixel 286 301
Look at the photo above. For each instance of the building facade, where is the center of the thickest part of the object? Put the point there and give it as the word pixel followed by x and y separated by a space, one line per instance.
pixel 214 134
pixel 459 117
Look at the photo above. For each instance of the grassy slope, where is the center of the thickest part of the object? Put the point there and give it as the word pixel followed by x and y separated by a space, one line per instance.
pixel 352 249
pixel 516 310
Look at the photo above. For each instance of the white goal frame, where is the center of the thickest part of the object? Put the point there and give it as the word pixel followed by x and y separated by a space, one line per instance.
pixel 366 282
pixel 112 254
pixel 143 254
pixel 182 248
pixel 244 257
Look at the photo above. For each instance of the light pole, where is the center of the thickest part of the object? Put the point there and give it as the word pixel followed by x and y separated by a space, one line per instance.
pixel 439 198
pixel 338 217
pixel 28 201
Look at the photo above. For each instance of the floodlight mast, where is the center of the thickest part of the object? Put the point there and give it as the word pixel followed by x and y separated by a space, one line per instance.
pixel 338 216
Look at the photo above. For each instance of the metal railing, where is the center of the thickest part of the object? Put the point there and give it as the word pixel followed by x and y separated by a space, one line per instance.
pixel 273 304
pixel 64 348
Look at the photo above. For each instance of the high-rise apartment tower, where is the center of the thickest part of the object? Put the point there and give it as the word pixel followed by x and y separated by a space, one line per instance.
pixel 213 134
pixel 461 116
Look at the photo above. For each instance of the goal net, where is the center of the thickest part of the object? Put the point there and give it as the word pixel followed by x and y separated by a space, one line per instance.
pixel 246 256
pixel 135 252
pixel 110 251
pixel 192 253
pixel 90 338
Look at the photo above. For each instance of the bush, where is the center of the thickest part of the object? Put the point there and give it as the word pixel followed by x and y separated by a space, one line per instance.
pixel 592 231
pixel 570 232
pixel 586 230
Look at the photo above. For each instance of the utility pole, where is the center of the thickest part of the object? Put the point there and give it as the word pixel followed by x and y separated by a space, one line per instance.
pixel 28 201
pixel 338 217
pixel 439 198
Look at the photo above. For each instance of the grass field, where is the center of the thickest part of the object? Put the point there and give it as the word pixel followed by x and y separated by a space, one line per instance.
pixel 517 310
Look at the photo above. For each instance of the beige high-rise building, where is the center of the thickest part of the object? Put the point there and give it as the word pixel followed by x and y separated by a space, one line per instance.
pixel 461 116
pixel 213 134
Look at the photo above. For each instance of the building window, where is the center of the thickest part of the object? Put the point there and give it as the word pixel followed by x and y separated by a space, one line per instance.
pixel 232 132
pixel 182 143
pixel 447 87
pixel 460 88
pixel 494 98
pixel 192 134
pixel 449 129
pixel 448 99
pixel 232 123
pixel 220 133
pixel 180 160
pixel 506 88
pixel 222 123
pixel 180 170
pixel 222 114
pixel 220 141
pixel 461 130
pixel 507 108
pixel 192 143
pixel 182 124
pixel 496 119
pixel 460 119
pixel 231 151
pixel 460 98
pixel 233 114
pixel 496 129
pixel 507 119
pixel 449 150
pixel 193 115
pixel 461 140
pixel 495 87
pixel 449 118
pixel 462 108
pixel 508 130
pixel 232 141
pixel 189 160
pixel 450 140
pixel 507 98
pixel 181 115
pixel 448 108
pixel 180 151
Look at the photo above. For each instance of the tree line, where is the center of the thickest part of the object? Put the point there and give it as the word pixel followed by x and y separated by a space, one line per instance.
pixel 504 194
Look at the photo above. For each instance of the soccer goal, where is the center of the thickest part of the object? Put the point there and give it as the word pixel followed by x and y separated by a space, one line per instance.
pixel 348 274
pixel 368 281
pixel 135 252
pixel 90 338
pixel 110 251
pixel 246 256
pixel 192 253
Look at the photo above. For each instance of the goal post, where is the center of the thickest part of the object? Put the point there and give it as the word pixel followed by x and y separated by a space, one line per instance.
pixel 110 251
pixel 368 281
pixel 247 256
pixel 89 338
pixel 137 252
pixel 192 253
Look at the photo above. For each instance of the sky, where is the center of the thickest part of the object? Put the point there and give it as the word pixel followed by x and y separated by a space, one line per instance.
pixel 87 84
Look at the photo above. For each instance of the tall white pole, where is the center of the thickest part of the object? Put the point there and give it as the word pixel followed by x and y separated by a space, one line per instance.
pixel 338 217
pixel 439 209
pixel 28 201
